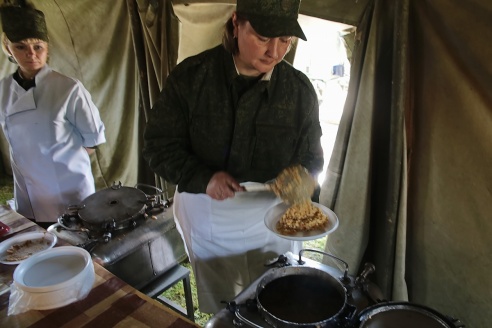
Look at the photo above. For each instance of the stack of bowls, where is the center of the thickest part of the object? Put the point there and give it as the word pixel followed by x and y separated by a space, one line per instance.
pixel 54 278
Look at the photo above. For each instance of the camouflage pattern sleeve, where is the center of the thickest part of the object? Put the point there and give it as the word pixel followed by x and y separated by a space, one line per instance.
pixel 167 146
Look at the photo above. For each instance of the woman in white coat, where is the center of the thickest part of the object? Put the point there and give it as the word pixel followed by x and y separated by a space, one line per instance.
pixel 49 121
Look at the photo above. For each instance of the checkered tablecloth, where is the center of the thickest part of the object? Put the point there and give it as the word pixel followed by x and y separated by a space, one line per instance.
pixel 110 303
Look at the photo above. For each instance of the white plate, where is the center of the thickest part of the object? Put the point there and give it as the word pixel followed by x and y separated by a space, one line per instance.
pixel 6 244
pixel 275 213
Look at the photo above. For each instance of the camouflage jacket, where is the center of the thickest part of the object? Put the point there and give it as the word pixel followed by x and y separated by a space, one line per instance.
pixel 200 125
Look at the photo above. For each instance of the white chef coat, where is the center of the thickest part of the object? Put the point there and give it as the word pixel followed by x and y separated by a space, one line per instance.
pixel 227 242
pixel 47 127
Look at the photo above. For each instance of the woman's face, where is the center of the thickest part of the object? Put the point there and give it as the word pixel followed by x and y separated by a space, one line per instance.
pixel 30 54
pixel 257 54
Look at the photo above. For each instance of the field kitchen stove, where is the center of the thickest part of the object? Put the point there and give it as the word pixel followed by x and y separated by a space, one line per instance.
pixel 301 293
pixel 130 233
pixel 297 284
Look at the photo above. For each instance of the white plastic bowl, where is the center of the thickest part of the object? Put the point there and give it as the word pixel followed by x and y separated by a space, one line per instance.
pixel 55 277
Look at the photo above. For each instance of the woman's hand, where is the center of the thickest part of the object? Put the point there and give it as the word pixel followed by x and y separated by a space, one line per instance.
pixel 222 186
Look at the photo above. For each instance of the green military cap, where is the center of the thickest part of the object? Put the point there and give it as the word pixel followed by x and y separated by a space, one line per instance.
pixel 20 23
pixel 272 18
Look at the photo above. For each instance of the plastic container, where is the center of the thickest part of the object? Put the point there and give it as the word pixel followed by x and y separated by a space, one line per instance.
pixel 53 278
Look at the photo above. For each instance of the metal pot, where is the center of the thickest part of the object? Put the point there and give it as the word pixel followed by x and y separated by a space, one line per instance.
pixel 403 315
pixel 302 294
pixel 301 297
pixel 306 297
pixel 111 209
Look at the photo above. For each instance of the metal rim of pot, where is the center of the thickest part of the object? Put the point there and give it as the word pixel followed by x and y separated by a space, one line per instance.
pixel 289 316
pixel 415 315
pixel 324 316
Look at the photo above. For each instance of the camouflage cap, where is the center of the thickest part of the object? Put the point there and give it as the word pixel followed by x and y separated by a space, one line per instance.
pixel 20 23
pixel 272 18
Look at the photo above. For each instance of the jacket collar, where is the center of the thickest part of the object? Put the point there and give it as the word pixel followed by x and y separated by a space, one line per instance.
pixel 25 99
pixel 232 71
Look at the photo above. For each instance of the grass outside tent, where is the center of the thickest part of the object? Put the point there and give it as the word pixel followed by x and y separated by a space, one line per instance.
pixel 6 188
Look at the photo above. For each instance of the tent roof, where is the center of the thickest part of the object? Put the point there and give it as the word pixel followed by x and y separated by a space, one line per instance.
pixel 342 11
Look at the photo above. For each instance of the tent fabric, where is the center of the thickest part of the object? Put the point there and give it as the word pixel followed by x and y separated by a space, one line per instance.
pixel 156 40
pixel 343 11
pixel 365 171
pixel 201 28
pixel 449 197
pixel 440 90
pixel 155 32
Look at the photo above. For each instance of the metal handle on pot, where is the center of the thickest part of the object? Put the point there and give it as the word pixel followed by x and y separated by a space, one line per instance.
pixel 61 223
pixel 90 244
pixel 159 191
pixel 116 186
pixel 345 279
pixel 246 321
pixel 75 208
pixel 234 308
pixel 158 197
pixel 370 290
pixel 368 269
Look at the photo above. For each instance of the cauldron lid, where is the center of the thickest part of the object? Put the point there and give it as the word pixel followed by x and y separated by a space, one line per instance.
pixel 115 204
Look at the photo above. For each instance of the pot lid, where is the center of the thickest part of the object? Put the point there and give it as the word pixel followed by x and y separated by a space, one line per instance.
pixel 113 205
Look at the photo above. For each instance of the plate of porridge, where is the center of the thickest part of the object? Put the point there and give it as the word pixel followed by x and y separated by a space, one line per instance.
pixel 301 221
pixel 18 248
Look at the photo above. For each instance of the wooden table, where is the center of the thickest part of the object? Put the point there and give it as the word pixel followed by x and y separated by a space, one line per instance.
pixel 111 302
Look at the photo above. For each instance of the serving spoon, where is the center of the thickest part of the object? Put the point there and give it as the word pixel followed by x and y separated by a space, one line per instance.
pixel 293 185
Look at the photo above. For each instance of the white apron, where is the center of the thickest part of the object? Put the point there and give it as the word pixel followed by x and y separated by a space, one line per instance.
pixel 227 242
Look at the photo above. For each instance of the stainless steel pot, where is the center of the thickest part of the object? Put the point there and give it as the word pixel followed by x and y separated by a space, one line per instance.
pixel 301 297
pixel 307 297
pixel 111 209
pixel 403 315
